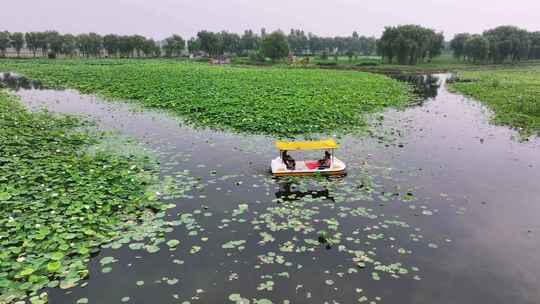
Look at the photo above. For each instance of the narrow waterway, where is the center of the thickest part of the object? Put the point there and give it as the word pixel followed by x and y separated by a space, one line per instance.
pixel 439 206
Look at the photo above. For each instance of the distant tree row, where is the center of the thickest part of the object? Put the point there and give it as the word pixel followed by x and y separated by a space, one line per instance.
pixel 219 43
pixel 409 44
pixel 404 44
pixel 497 45
pixel 52 43
pixel 349 45
pixel 212 43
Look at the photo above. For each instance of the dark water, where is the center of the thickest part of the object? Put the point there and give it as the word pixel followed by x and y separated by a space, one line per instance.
pixel 438 189
pixel 425 86
pixel 16 82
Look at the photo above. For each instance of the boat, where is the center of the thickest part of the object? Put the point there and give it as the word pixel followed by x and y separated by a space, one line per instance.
pixel 330 165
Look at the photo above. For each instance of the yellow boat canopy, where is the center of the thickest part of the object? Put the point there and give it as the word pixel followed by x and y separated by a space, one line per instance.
pixel 306 145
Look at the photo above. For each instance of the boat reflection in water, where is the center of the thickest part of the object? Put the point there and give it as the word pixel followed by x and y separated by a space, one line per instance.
pixel 424 86
pixel 289 192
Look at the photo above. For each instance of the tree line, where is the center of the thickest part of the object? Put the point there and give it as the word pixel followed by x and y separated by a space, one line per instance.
pixel 503 43
pixel 52 43
pixel 298 43
pixel 404 44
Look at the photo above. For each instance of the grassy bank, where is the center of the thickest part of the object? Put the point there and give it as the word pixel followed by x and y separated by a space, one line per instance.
pixel 373 64
pixel 272 100
pixel 512 94
pixel 59 201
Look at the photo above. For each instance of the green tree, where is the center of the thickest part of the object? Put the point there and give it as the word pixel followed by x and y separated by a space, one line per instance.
pixel 365 45
pixel 42 42
pixel 315 43
pixel 210 43
pixel 90 44
pixel 5 42
pixel 111 44
pixel 31 42
pixel 249 41
pixel 17 42
pixel 350 54
pixel 69 48
pixel 354 47
pixel 328 44
pixel 507 42
pixel 55 42
pixel 534 52
pixel 476 48
pixel 194 45
pixel 174 46
pixel 138 42
pixel 148 47
pixel 274 46
pixel 298 41
pixel 386 44
pixel 436 45
pixel 457 44
pixel 230 42
pixel 96 44
pixel 410 44
pixel 341 44
pixel 126 46
pixel 157 51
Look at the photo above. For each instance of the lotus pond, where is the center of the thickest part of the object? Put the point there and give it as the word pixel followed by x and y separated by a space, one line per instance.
pixel 439 206
pixel 276 101
pixel 63 193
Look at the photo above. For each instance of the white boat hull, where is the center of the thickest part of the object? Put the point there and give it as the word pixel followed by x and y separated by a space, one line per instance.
pixel 303 168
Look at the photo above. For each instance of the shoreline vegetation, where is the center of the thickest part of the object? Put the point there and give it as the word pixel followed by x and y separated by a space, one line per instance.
pixel 274 101
pixel 512 94
pixel 445 63
pixel 62 200
pixel 514 103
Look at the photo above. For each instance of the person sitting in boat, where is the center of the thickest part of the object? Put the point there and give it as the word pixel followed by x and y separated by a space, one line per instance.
pixel 325 162
pixel 290 163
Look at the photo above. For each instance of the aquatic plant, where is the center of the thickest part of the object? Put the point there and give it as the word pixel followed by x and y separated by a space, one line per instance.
pixel 511 93
pixel 59 201
pixel 277 101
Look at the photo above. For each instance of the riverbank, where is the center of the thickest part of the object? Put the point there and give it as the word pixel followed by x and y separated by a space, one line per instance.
pixel 512 94
pixel 442 64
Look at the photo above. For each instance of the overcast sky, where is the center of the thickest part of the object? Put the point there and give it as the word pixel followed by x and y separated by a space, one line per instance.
pixel 160 18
